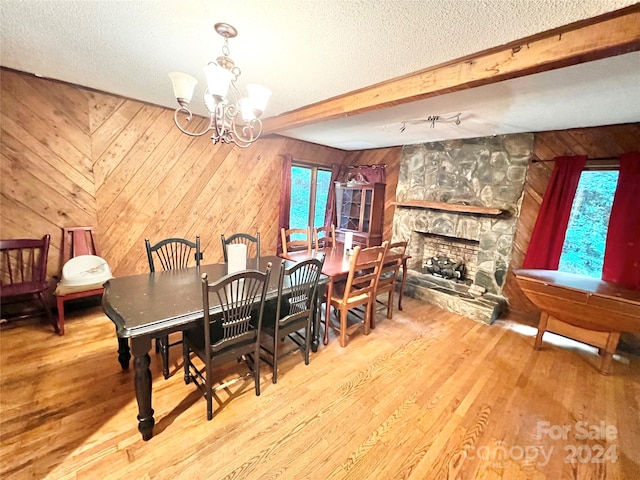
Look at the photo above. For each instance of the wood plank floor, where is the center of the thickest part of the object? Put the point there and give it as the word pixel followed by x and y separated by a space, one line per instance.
pixel 427 395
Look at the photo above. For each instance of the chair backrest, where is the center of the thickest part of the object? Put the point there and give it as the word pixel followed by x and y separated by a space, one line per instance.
pixel 23 267
pixel 252 243
pixel 298 239
pixel 364 270
pixel 78 241
pixel 328 238
pixel 302 278
pixel 391 265
pixel 237 296
pixel 173 253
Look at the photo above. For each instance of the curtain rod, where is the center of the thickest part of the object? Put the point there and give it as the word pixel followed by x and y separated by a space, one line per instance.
pixel 595 159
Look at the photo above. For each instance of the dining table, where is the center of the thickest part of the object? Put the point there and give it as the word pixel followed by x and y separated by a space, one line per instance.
pixel 152 305
pixel 336 268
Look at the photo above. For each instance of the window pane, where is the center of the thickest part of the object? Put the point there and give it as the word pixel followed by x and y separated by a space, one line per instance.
pixel 300 191
pixel 324 177
pixel 583 249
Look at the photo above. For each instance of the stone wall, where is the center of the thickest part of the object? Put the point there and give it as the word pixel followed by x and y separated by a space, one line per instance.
pixel 484 172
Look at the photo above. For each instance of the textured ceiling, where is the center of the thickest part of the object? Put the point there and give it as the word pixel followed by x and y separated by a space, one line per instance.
pixel 307 51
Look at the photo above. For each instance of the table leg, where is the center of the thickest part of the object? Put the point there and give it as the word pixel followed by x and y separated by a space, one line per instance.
pixel 124 354
pixel 404 280
pixel 315 327
pixel 542 327
pixel 327 311
pixel 142 382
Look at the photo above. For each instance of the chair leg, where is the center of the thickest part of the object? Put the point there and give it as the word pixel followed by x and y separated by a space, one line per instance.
pixel 52 320
pixel 209 394
pixel 60 304
pixel 164 351
pixel 369 312
pixel 343 327
pixel 390 303
pixel 256 367
pixel 274 377
pixel 307 344
pixel 185 361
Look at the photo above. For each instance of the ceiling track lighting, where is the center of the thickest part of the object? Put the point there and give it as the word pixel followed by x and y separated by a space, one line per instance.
pixel 432 120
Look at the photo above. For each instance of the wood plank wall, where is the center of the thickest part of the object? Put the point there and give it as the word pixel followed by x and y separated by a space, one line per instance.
pixel 70 156
pixel 75 157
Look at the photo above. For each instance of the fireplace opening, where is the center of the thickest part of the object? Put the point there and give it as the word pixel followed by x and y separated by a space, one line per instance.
pixel 451 258
pixel 444 267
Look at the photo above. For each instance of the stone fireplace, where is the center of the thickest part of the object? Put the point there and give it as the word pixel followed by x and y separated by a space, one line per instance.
pixel 460 200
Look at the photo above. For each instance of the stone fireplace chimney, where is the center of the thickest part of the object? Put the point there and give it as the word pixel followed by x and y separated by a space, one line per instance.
pixel 461 199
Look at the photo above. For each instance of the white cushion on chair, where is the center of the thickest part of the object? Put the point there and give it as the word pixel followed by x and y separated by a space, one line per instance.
pixel 85 270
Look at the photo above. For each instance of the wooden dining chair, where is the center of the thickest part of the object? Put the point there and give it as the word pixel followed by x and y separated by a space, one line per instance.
pixel 358 290
pixel 325 237
pixel 171 253
pixel 231 335
pixel 23 272
pixel 292 312
pixel 296 239
pixel 76 241
pixel 389 276
pixel 252 243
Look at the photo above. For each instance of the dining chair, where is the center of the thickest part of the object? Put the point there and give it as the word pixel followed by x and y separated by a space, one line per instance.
pixel 328 238
pixel 296 239
pixel 171 253
pixel 252 243
pixel 389 276
pixel 23 272
pixel 293 311
pixel 232 334
pixel 358 290
pixel 76 241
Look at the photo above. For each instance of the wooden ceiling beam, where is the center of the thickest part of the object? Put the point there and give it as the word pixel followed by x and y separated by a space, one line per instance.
pixel 604 36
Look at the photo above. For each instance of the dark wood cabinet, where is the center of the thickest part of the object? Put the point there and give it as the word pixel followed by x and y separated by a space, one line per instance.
pixel 359 209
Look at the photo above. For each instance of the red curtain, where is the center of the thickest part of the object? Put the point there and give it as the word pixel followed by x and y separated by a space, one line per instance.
pixel 337 172
pixel 550 229
pixel 622 251
pixel 285 197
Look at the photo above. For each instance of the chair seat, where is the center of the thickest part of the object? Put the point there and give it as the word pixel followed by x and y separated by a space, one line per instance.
pixel 197 343
pixel 63 290
pixel 338 295
pixel 24 288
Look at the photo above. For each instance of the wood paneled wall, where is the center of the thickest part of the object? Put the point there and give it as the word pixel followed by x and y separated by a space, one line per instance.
pixel 75 157
pixel 597 142
pixel 70 156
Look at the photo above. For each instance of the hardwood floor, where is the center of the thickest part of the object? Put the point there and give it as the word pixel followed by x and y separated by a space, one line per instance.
pixel 427 395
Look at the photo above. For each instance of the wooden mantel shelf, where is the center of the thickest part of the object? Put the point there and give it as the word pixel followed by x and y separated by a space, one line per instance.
pixel 450 207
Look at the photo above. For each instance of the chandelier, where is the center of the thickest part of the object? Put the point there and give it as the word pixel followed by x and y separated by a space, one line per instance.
pixel 232 117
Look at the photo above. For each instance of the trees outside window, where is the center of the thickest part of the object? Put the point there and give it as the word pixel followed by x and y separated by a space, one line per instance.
pixel 309 190
pixel 584 244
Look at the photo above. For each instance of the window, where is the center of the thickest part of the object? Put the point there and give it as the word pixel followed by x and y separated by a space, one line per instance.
pixel 309 190
pixel 584 244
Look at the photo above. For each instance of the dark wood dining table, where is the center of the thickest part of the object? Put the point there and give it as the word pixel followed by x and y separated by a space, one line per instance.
pixel 336 267
pixel 152 305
